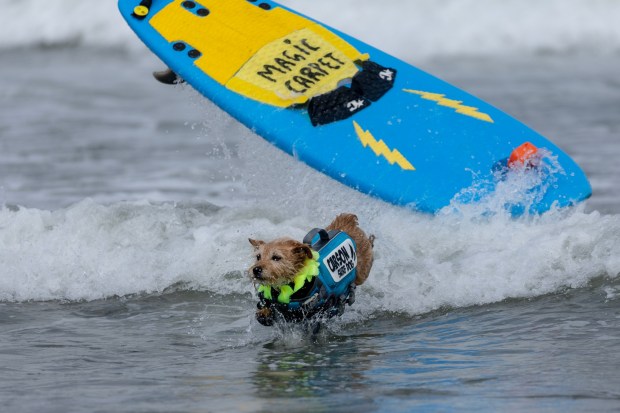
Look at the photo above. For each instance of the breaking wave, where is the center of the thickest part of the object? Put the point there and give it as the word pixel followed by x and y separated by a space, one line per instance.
pixel 410 29
pixel 91 251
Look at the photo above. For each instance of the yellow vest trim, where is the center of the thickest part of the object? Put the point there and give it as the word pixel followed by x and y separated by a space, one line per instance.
pixel 306 274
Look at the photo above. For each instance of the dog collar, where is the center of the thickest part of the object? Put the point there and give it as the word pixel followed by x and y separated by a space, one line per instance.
pixel 306 274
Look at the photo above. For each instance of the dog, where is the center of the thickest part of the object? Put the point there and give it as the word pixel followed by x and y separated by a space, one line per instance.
pixel 279 261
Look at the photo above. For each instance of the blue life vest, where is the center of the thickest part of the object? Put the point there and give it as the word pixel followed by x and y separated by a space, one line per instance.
pixel 332 288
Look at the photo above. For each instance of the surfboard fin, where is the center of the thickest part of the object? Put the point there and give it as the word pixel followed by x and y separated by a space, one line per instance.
pixel 167 77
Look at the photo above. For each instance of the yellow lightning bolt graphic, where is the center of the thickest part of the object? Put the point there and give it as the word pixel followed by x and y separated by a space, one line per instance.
pixel 454 104
pixel 381 149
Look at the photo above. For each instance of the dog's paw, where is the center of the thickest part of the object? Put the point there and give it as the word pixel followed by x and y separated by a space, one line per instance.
pixel 264 316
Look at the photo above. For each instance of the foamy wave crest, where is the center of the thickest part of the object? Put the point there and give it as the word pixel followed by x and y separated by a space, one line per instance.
pixel 428 28
pixel 451 261
pixel 407 28
pixel 91 251
pixel 27 23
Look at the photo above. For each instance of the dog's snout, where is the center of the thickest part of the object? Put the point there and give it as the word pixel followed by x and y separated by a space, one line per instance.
pixel 258 273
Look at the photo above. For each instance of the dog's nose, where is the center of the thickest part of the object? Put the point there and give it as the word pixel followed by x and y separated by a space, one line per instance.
pixel 258 273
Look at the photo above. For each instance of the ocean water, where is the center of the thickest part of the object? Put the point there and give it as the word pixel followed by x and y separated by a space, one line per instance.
pixel 125 209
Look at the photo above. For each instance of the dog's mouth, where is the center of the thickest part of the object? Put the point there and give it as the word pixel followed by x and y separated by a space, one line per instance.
pixel 264 278
pixel 257 274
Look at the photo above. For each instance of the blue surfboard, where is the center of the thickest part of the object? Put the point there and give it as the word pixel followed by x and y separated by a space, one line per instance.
pixel 351 111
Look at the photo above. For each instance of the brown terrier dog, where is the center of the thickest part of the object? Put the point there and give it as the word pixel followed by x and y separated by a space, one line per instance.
pixel 278 261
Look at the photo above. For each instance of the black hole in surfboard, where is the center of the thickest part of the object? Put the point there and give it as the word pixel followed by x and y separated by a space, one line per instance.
pixel 179 47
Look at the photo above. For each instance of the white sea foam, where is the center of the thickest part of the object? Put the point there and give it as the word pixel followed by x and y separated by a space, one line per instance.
pixel 407 28
pixel 92 251
pixel 464 256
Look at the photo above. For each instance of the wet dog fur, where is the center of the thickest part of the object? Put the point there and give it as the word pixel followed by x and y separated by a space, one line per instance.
pixel 277 262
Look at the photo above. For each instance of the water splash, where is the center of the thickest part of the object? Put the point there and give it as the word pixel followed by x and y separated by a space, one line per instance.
pixel 514 190
pixel 91 251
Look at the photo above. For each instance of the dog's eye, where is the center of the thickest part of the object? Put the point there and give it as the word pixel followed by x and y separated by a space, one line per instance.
pixel 276 258
pixel 258 257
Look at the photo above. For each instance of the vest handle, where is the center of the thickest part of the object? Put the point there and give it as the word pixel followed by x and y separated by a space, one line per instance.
pixel 324 236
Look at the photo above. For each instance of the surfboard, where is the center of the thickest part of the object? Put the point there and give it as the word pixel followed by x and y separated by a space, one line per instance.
pixel 347 109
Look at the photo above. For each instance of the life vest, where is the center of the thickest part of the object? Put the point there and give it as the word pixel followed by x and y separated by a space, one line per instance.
pixel 322 293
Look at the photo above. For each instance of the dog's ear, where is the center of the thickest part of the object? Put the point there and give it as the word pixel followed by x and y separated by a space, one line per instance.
pixel 303 249
pixel 256 244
